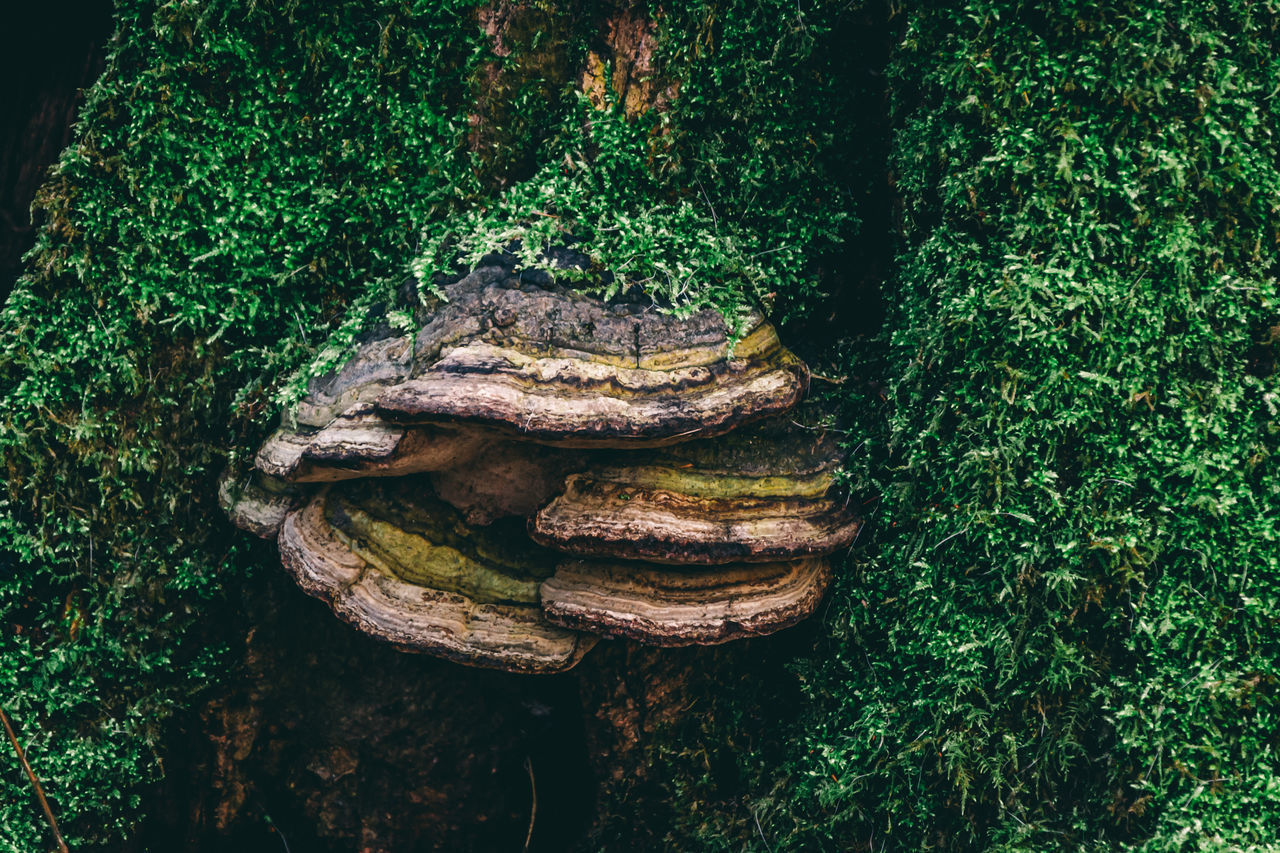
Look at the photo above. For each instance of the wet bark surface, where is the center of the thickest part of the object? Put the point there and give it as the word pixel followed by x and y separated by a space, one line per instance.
pixel 50 52
pixel 325 740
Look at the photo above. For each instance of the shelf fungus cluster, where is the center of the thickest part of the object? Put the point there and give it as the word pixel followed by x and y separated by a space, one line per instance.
pixel 537 468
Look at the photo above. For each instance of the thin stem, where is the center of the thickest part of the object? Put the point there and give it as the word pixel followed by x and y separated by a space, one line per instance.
pixel 533 809
pixel 44 803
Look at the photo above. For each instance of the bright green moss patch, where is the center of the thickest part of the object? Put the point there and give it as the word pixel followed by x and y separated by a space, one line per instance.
pixel 1065 635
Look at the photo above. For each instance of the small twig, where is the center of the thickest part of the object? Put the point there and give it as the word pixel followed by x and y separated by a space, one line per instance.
pixel 856 536
pixel 715 220
pixel 756 818
pixel 271 824
pixel 533 808
pixel 823 428
pixel 965 529
pixel 44 803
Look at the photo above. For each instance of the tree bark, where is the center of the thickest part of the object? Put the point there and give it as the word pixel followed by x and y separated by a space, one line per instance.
pixel 323 739
pixel 51 52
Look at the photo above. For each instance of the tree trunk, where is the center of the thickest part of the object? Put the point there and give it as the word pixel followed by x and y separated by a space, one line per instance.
pixel 333 741
pixel 320 738
pixel 52 51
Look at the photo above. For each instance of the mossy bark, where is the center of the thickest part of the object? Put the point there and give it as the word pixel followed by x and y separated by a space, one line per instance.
pixel 336 742
pixel 245 171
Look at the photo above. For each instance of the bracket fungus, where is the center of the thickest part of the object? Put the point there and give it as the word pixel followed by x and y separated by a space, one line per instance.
pixel 358 444
pixel 564 368
pixel 732 532
pixel 257 503
pixel 537 467
pixel 661 607
pixel 762 494
pixel 403 567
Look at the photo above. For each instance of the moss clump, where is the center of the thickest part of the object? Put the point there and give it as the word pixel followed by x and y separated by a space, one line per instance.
pixel 1065 634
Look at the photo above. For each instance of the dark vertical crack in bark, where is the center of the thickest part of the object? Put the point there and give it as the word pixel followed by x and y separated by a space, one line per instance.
pixel 51 51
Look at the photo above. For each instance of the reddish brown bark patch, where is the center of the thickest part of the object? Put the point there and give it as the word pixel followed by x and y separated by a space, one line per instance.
pixel 629 44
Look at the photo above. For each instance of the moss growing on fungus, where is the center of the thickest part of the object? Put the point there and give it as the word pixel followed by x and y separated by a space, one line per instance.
pixel 242 176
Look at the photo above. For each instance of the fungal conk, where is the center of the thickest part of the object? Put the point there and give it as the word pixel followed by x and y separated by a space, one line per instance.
pixel 537 468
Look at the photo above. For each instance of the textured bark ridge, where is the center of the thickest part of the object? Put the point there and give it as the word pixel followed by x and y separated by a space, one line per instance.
pixel 420 490
pixel 628 41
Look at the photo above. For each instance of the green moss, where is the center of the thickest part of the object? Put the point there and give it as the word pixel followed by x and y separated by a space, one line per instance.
pixel 520 96
pixel 1060 632
pixel 725 198
pixel 1065 634
pixel 235 172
